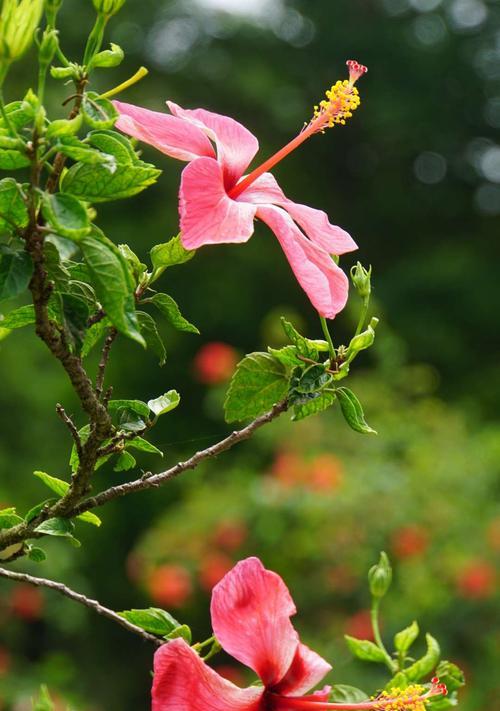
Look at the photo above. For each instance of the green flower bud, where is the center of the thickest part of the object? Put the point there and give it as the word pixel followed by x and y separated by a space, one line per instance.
pixel 365 339
pixel 108 57
pixel 361 278
pixel 64 127
pixel 18 22
pixel 380 576
pixel 53 5
pixel 108 7
pixel 70 72
pixel 48 46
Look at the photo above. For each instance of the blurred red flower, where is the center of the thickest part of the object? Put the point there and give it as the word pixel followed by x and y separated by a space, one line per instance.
pixel 170 585
pixel 324 472
pixel 215 363
pixel 476 580
pixel 409 541
pixel 288 468
pixel 359 625
pixel 26 602
pixel 213 568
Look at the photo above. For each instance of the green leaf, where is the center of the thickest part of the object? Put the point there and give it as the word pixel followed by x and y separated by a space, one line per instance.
pixel 9 518
pixel 59 527
pixel 124 462
pixel 113 283
pixel 137 406
pixel 287 356
pixel 165 403
pixel 182 631
pixel 305 347
pixel 78 151
pixel 451 675
pixel 169 254
pixel 13 210
pixel 13 160
pixel 151 335
pixel 96 184
pixel 404 639
pixel 353 411
pixel 37 555
pixel 44 702
pixel 364 649
pixel 56 271
pixel 152 620
pixel 398 681
pixel 16 269
pixel 115 144
pixel 143 446
pixel 170 310
pixel 424 666
pixel 98 112
pixel 61 487
pixel 93 335
pixel 76 313
pixel 342 693
pixel 38 508
pixel 258 383
pixel 66 215
pixel 312 407
pixel 23 316
pixel 20 113
pixel 312 379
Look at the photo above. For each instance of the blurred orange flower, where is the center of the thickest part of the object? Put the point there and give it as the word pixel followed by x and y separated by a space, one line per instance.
pixel 170 585
pixel 215 363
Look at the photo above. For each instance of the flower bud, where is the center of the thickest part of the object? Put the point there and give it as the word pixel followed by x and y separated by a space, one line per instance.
pixel 380 576
pixel 361 278
pixel 365 339
pixel 108 57
pixel 64 127
pixel 48 46
pixel 18 22
pixel 108 7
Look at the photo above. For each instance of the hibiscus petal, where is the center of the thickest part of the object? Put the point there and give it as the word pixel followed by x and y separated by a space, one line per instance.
pixel 315 223
pixel 169 134
pixel 307 670
pixel 323 281
pixel 208 215
pixel 183 682
pixel 251 610
pixel 236 145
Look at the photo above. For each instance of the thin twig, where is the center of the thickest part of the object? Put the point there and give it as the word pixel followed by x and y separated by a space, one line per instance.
pixel 82 599
pixel 150 481
pixel 99 383
pixel 71 427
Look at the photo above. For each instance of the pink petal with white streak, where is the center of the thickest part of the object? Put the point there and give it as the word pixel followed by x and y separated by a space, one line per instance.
pixel 323 281
pixel 236 145
pixel 251 609
pixel 169 134
pixel 183 682
pixel 208 215
pixel 307 670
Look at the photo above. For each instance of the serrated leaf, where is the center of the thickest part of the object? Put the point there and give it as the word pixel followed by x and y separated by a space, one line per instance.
pixel 152 336
pixel 258 383
pixel 98 112
pixel 115 144
pixel 304 346
pixel 16 269
pixel 152 619
pixel 112 282
pixel 13 160
pixel 425 665
pixel 312 379
pixel 56 271
pixel 78 151
pixel 137 406
pixel 93 335
pixel 143 446
pixel 37 555
pixel 165 403
pixel 61 487
pixel 353 411
pixel 364 649
pixel 96 184
pixel 312 407
pixel 23 316
pixel 287 356
pixel 124 462
pixel 343 693
pixel 404 639
pixel 398 681
pixel 9 517
pixel 169 308
pixel 59 527
pixel 66 215
pixel 19 113
pixel 13 210
pixel 169 254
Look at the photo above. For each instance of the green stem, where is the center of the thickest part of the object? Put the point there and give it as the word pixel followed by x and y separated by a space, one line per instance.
pixel 362 316
pixel 95 39
pixel 390 663
pixel 4 68
pixel 328 337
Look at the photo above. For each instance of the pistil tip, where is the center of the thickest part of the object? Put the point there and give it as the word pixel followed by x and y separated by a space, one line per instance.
pixel 356 70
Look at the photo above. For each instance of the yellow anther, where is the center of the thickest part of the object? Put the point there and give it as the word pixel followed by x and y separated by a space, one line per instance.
pixel 396 699
pixel 341 100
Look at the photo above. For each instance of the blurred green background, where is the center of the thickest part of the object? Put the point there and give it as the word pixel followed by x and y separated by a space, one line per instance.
pixel 415 178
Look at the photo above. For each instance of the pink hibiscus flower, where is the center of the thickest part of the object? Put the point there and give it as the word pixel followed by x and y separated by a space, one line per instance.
pixel 218 204
pixel 251 609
